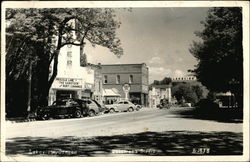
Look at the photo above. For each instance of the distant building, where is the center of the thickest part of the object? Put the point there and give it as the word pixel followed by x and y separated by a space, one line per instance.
pixel 136 75
pixel 158 92
pixel 184 79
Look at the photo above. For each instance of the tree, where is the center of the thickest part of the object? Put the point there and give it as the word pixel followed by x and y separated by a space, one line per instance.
pixel 198 90
pixel 219 54
pixel 43 32
pixel 190 93
pixel 164 81
pixel 156 82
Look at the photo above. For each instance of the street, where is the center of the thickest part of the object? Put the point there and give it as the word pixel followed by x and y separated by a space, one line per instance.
pixel 164 131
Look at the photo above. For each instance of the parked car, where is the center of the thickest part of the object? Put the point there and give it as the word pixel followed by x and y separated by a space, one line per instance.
pixel 121 106
pixel 93 107
pixel 62 108
pixel 164 103
pixel 70 108
pixel 137 107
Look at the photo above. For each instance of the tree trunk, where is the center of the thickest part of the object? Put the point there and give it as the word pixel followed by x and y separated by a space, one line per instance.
pixel 54 74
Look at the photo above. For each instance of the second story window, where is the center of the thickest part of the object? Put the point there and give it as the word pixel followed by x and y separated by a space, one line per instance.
pixel 69 54
pixel 105 79
pixel 131 79
pixel 118 79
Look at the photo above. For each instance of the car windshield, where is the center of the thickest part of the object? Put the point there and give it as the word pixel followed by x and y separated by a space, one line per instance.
pixel 96 103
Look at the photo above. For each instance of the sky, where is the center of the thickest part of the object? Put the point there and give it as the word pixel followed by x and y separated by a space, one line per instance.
pixel 159 37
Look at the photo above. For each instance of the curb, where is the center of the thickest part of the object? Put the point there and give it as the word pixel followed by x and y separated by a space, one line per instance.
pixel 21 120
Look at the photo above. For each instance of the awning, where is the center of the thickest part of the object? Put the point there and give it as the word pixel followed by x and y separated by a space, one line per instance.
pixel 110 92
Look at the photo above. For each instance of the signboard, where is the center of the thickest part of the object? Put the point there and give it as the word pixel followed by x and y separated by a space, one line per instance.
pixel 68 83
pixel 126 89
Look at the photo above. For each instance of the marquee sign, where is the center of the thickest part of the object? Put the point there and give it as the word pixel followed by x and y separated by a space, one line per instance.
pixel 68 83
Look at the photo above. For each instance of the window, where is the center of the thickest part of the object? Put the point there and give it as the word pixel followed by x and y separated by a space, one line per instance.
pixel 118 79
pixel 69 62
pixel 131 79
pixel 125 102
pixel 99 86
pixel 69 54
pixel 105 79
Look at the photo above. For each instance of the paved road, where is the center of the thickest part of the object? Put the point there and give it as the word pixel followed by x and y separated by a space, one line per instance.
pixel 146 132
pixel 153 120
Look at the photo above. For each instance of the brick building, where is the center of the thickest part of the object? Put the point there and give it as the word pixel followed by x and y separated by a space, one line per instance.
pixel 136 75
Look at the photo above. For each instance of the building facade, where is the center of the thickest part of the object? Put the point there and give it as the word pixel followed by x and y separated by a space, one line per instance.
pixel 158 92
pixel 184 79
pixel 136 75
pixel 98 85
pixel 73 80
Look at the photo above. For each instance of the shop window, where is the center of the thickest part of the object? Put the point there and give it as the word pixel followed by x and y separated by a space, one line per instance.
pixel 69 54
pixel 118 79
pixel 105 79
pixel 131 79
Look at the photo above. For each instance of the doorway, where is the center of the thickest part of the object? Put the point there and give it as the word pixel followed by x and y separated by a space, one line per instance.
pixel 65 94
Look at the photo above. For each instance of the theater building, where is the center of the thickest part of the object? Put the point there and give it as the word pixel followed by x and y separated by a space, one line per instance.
pixel 73 80
pixel 136 75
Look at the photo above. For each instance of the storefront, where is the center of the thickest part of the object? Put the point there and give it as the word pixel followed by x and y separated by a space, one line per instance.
pixel 110 96
pixel 63 88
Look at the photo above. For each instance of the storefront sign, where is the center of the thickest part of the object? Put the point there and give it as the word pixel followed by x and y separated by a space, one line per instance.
pixel 69 83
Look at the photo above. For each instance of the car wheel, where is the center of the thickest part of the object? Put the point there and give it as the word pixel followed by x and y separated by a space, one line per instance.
pixel 130 109
pixel 77 114
pixel 45 117
pixel 91 113
pixel 111 110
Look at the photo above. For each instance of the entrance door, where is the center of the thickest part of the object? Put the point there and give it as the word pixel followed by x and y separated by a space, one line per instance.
pixel 65 94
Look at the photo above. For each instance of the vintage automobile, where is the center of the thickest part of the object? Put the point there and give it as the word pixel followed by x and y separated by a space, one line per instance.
pixel 93 107
pixel 121 106
pixel 164 103
pixel 137 107
pixel 69 108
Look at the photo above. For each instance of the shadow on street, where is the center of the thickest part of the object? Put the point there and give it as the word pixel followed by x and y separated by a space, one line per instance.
pixel 220 115
pixel 170 143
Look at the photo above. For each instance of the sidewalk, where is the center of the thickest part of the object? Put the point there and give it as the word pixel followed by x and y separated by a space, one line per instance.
pixel 23 119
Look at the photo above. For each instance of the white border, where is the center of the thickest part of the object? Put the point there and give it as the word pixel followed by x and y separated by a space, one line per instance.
pixel 123 4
